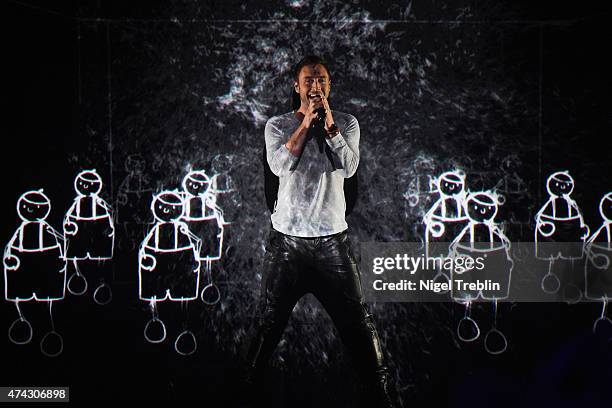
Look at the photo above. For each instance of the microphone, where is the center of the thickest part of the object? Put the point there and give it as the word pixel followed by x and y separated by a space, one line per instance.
pixel 320 122
pixel 321 117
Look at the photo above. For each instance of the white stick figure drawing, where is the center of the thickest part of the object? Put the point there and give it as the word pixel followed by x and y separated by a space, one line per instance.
pixel 223 182
pixel 598 263
pixel 34 265
pixel 511 182
pixel 446 218
pixel 168 259
pixel 483 239
pixel 201 210
pixel 495 342
pixel 421 183
pixel 602 237
pixel 204 219
pixel 132 188
pixel 559 220
pixel 89 229
pixel 136 181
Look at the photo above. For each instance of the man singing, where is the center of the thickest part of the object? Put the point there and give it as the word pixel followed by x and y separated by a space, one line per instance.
pixel 312 150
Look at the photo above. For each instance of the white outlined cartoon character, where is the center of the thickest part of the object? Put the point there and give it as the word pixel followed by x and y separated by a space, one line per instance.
pixel 560 221
pixel 222 180
pixel 88 227
pixel 447 218
pixel 202 215
pixel 34 264
pixel 482 237
pixel 204 219
pixel 169 265
pixel 598 265
pixel 130 192
pixel 136 181
pixel 484 241
pixel 511 182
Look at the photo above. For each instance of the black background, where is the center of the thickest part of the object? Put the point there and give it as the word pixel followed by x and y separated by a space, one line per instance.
pixel 493 88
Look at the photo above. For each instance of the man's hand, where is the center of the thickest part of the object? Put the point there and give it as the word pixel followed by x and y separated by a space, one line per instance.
pixel 320 101
pixel 329 119
pixel 316 100
pixel 312 115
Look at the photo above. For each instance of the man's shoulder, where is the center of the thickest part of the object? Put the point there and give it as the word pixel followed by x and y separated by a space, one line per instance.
pixel 281 119
pixel 343 118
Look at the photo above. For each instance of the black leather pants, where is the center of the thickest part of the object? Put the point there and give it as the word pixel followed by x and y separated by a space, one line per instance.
pixel 325 267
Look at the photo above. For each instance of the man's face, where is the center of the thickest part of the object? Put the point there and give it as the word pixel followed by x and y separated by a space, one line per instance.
pixel 313 80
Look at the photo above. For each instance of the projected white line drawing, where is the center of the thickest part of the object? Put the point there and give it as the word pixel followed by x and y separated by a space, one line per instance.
pixel 201 210
pixel 559 220
pixel 467 329
pixel 598 264
pixel 223 182
pixel 482 237
pixel 185 343
pixel 495 342
pixel 205 220
pixel 421 183
pixel 129 194
pixel 603 323
pixel 169 265
pixel 603 234
pixel 89 230
pixel 511 182
pixel 136 181
pixel 155 320
pixel 446 218
pixel 34 263
pixel 50 336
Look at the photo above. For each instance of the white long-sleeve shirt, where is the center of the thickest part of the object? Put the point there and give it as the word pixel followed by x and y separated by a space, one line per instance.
pixel 311 199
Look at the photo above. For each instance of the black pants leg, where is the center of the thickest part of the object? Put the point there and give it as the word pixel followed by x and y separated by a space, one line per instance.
pixel 338 288
pixel 280 291
pixel 326 267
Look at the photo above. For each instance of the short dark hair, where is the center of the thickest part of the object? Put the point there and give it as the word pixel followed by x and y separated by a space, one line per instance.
pixel 307 60
pixel 310 60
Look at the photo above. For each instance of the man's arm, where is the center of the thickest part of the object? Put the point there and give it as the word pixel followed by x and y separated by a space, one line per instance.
pixel 282 158
pixel 345 145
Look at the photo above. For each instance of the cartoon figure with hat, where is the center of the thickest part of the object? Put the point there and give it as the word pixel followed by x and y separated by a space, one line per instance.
pixel 89 229
pixel 169 265
pixel 34 268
